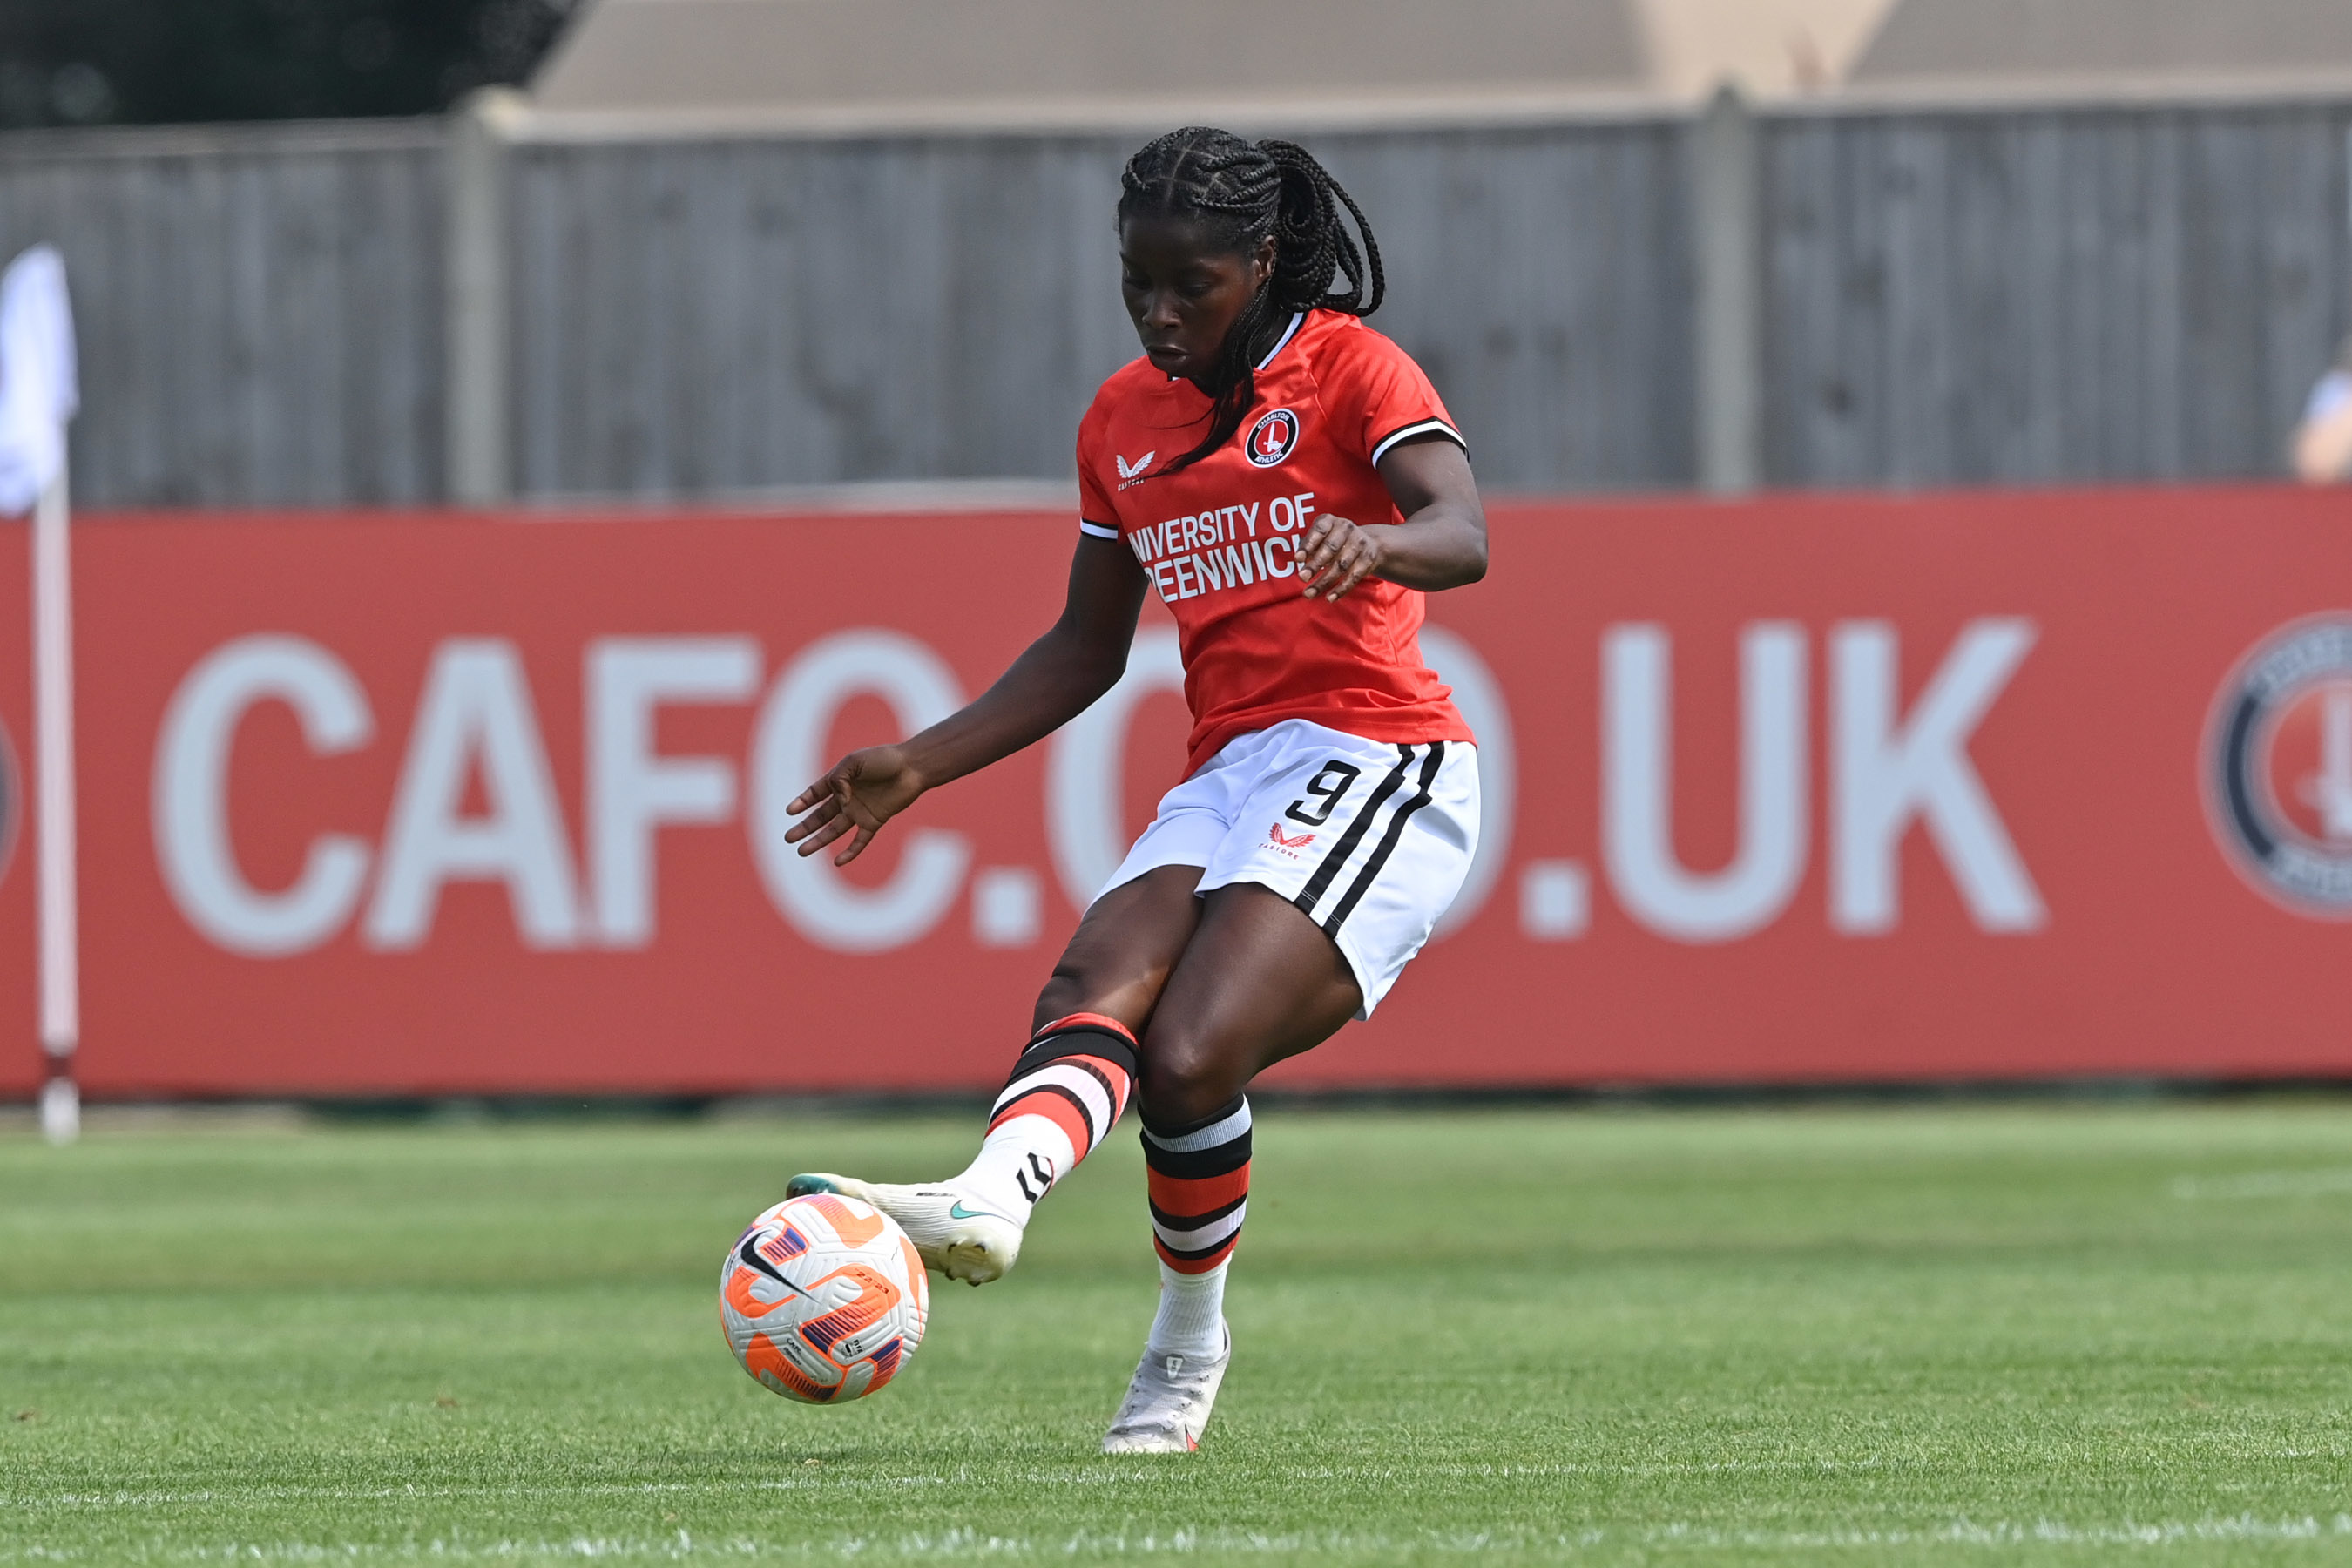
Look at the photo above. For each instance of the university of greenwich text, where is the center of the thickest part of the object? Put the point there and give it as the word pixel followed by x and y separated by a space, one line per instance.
pixel 1229 547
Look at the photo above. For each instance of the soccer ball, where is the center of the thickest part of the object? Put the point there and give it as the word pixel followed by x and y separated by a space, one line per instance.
pixel 822 1298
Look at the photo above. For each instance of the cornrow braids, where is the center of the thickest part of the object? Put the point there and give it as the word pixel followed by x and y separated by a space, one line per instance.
pixel 1245 192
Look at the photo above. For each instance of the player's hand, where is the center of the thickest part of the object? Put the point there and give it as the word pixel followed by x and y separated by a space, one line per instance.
pixel 1336 555
pixel 865 790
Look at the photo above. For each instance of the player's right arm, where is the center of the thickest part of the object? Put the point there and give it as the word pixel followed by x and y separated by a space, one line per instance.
pixel 1056 678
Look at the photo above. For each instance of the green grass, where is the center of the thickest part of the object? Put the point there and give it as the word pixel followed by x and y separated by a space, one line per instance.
pixel 1988 1335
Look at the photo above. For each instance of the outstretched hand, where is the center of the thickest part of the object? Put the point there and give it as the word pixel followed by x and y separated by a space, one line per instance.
pixel 861 792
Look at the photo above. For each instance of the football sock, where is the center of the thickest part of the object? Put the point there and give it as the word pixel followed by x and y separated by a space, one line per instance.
pixel 1198 1175
pixel 1191 1319
pixel 1065 1092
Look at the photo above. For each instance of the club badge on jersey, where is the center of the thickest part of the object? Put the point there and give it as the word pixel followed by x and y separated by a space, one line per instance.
pixel 1273 437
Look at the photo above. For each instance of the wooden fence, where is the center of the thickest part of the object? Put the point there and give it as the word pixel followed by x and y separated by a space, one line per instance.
pixel 258 309
pixel 731 315
pixel 2039 296
pixel 1954 295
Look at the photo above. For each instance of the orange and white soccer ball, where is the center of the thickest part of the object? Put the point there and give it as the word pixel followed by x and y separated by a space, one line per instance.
pixel 824 1299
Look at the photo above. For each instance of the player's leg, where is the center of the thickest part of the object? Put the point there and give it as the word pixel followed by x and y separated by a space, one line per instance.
pixel 1302 927
pixel 1069 1086
pixel 1258 982
pixel 1065 1091
pixel 1079 1069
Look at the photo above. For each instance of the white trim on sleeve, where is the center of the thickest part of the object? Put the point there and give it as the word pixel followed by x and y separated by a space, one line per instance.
pixel 1426 427
pixel 1097 530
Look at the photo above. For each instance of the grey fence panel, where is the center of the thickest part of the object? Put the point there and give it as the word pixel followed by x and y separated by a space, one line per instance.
pixel 1983 296
pixel 694 318
pixel 705 317
pixel 258 309
pixel 1544 279
pixel 2049 296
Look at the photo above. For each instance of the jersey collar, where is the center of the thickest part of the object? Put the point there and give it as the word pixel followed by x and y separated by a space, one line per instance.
pixel 1282 341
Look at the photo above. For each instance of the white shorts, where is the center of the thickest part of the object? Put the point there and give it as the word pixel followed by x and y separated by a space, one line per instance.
pixel 1371 839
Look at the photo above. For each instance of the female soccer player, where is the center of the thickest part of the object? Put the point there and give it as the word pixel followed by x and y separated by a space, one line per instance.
pixel 1287 481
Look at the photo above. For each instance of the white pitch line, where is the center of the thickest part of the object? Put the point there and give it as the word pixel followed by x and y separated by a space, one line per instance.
pixel 960 1546
pixel 2267 1185
pixel 1087 1476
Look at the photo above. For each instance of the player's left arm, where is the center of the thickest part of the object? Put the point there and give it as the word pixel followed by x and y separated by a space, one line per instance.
pixel 1441 544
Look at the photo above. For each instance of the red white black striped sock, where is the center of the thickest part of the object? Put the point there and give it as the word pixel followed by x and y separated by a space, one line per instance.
pixel 1065 1092
pixel 1199 1182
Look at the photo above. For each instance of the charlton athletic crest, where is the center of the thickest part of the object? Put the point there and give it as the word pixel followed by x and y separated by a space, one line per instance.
pixel 1273 439
pixel 2278 767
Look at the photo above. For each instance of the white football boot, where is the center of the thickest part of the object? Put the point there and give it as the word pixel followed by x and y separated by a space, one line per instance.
pixel 1167 1405
pixel 954 1231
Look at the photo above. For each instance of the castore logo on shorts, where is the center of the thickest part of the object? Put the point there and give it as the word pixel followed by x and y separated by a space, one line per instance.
pixel 1284 845
pixel 2278 767
pixel 1274 438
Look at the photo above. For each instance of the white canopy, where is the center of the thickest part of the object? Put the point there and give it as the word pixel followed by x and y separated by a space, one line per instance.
pixel 975 62
pixel 990 59
pixel 2025 42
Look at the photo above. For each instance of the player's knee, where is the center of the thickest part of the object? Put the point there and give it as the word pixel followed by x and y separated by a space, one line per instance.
pixel 1183 1081
pixel 1079 985
pixel 1064 994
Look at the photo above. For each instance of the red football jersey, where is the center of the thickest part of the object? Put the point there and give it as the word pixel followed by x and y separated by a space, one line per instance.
pixel 1219 539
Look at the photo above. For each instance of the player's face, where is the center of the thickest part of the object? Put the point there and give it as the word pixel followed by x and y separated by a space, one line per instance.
pixel 1183 290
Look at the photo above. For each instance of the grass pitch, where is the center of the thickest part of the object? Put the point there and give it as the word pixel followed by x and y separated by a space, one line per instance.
pixel 1983 1334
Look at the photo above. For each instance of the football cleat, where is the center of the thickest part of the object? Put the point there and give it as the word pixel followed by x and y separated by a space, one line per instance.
pixel 953 1230
pixel 1167 1405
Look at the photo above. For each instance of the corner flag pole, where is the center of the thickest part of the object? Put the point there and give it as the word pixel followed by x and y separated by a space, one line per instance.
pixel 40 389
pixel 54 797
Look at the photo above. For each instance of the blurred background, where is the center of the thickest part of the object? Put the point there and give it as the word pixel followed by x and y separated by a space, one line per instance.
pixel 352 251
pixel 162 62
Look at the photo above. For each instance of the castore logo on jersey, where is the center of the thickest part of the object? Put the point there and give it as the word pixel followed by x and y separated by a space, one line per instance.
pixel 1274 438
pixel 2278 767
pixel 1132 474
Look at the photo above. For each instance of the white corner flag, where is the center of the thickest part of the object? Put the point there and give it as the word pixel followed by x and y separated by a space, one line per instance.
pixel 39 391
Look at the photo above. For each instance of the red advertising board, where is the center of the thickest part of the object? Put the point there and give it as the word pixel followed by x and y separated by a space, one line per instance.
pixel 20 1063
pixel 1801 789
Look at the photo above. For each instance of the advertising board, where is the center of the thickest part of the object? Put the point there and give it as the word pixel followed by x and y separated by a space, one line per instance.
pixel 20 1061
pixel 1801 789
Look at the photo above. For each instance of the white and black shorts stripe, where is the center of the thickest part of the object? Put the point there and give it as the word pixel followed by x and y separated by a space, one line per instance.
pixel 1371 839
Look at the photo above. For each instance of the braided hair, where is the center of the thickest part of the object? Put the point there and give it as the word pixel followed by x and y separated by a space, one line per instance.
pixel 1244 193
